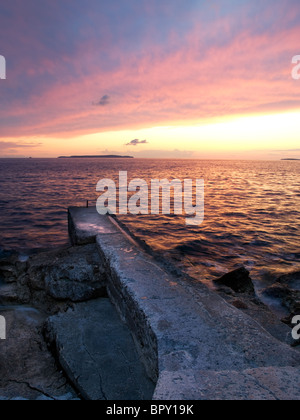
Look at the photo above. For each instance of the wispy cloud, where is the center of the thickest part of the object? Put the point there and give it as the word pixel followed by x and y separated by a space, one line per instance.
pixel 136 142
pixel 103 101
pixel 11 145
pixel 190 60
pixel 288 150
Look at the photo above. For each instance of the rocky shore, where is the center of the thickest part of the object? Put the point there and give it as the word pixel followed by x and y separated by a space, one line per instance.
pixel 286 289
pixel 55 292
pixel 237 288
pixel 69 282
pixel 31 291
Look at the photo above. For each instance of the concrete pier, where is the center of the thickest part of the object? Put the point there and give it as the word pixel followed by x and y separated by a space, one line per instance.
pixel 193 344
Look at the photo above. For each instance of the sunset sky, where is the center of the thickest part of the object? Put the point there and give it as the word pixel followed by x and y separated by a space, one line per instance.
pixel 150 78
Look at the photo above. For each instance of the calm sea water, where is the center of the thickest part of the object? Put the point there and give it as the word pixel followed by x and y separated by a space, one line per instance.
pixel 252 210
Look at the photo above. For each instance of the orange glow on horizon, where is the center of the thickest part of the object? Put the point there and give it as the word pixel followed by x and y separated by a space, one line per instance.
pixel 264 136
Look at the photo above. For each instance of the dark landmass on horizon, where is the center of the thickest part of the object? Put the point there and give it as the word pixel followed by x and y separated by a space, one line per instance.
pixel 96 157
pixel 290 159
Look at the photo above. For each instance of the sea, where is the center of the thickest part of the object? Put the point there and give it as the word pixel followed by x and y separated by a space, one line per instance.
pixel 252 211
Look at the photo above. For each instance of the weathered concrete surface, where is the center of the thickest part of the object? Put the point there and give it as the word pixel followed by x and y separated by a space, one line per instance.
pixel 253 384
pixel 97 352
pixel 85 224
pixel 179 328
pixel 27 368
pixel 192 342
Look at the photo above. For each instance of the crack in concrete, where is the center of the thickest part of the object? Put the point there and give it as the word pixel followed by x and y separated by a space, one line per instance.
pixel 99 374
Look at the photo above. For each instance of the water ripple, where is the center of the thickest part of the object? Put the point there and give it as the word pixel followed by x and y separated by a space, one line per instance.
pixel 252 210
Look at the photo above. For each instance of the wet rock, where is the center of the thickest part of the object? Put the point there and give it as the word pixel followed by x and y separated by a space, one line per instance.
pixel 239 304
pixel 54 279
pixel 11 271
pixel 276 291
pixel 72 274
pixel 11 268
pixel 5 254
pixel 256 309
pixel 292 302
pixel 9 294
pixel 286 289
pixel 239 281
pixel 291 280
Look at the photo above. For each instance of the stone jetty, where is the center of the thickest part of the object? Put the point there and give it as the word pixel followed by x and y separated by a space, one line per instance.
pixel 192 343
pixel 125 325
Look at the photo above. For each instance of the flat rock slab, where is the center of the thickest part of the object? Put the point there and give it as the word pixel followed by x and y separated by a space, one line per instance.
pixel 97 352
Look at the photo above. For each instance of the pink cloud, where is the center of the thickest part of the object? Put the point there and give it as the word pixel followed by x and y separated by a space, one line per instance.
pixel 199 76
pixel 11 146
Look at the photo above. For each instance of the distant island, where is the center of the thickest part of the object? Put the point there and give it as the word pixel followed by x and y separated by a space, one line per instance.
pixel 290 159
pixel 96 157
